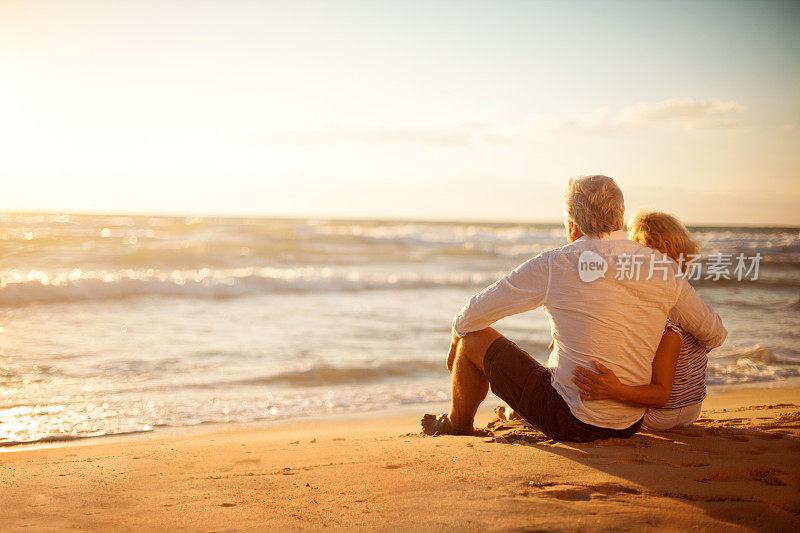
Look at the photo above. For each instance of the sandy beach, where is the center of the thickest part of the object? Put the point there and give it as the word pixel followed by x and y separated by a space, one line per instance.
pixel 737 468
pixel 247 246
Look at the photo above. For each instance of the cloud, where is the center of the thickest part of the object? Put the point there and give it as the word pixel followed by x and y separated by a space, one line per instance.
pixel 685 113
pixel 464 134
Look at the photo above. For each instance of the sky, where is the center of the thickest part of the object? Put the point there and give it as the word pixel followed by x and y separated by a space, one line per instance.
pixel 460 110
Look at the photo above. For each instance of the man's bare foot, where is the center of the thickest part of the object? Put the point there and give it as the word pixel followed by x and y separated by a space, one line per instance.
pixel 441 425
pixel 506 413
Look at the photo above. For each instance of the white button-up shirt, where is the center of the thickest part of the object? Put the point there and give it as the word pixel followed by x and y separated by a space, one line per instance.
pixel 617 319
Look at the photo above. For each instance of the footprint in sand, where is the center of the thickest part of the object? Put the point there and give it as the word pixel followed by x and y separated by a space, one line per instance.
pixel 578 492
pixel 770 436
pixel 520 437
pixel 571 494
pixel 252 461
pixel 768 476
pixel 734 421
pixel 737 437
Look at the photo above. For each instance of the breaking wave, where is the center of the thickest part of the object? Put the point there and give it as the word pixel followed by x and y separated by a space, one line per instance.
pixel 746 370
pixel 77 285
pixel 326 375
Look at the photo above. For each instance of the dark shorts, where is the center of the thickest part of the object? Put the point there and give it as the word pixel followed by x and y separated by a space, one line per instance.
pixel 525 385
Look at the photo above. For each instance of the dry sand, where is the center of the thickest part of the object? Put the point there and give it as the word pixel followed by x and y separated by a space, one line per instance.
pixel 737 468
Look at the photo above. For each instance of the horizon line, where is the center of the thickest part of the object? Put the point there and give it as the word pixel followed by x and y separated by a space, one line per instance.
pixel 346 218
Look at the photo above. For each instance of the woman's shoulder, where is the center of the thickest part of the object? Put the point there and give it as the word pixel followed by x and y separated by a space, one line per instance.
pixel 675 328
pixel 688 341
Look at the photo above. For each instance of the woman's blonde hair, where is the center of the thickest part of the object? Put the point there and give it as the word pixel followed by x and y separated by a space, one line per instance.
pixel 665 233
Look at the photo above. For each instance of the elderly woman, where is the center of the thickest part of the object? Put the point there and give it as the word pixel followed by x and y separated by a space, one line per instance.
pixel 675 394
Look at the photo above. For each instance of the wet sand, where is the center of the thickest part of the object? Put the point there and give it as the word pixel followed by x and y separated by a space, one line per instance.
pixel 737 468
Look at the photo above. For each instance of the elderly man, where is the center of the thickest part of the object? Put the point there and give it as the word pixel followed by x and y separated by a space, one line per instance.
pixel 607 299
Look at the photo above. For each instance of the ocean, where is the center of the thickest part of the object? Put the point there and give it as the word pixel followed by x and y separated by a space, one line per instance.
pixel 120 324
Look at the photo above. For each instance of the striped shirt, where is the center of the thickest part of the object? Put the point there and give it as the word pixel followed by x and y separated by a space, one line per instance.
pixel 689 385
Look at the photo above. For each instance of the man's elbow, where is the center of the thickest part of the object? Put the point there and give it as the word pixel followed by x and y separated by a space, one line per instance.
pixel 481 335
pixel 457 326
pixel 723 334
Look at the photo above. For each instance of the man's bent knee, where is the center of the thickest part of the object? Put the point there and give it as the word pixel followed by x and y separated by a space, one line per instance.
pixel 474 345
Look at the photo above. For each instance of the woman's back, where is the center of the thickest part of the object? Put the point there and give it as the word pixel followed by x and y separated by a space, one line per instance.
pixel 689 385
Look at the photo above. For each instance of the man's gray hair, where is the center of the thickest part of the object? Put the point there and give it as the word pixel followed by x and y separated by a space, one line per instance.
pixel 595 204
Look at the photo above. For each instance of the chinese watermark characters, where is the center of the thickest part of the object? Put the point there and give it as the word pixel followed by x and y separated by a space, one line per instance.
pixel 716 267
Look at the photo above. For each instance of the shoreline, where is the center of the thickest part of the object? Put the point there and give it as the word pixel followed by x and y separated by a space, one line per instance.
pixel 735 469
pixel 347 416
pixel 204 427
pixel 388 412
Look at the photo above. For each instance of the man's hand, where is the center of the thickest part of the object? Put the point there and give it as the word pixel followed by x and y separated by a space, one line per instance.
pixel 600 385
pixel 451 355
